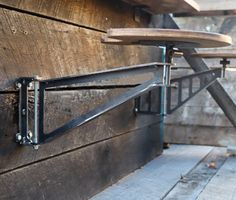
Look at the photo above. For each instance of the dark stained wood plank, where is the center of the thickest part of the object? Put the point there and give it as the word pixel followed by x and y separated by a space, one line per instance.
pixel 84 172
pixel 166 6
pixel 60 107
pixel 156 36
pixel 31 45
pixel 96 14
pixel 192 184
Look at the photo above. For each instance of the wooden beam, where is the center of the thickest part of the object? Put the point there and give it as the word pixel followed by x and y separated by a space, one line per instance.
pixel 31 45
pixel 60 107
pixel 94 14
pixel 213 5
pixel 212 8
pixel 166 6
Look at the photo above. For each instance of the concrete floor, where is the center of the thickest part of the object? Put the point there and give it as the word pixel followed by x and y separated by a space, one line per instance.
pixel 181 172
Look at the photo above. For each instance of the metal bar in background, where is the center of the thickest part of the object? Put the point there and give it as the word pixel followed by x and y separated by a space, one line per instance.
pixel 206 78
pixel 216 90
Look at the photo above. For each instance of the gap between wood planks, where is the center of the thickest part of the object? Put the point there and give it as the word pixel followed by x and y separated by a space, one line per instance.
pixel 71 150
pixel 49 18
pixel 196 180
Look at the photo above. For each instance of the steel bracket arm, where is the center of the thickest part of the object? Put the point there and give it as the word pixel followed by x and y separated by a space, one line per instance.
pixel 38 135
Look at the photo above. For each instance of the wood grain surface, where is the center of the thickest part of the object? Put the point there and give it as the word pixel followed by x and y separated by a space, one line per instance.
pixel 32 45
pixel 166 6
pixel 177 38
pixel 61 107
pixel 98 15
pixel 62 38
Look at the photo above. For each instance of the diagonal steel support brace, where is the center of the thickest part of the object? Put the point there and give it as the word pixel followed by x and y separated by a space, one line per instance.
pixel 216 90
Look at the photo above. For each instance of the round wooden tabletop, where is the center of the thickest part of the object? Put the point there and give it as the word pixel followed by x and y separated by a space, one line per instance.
pixel 215 55
pixel 163 37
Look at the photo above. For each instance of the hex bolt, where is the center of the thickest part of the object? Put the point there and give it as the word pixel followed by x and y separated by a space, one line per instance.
pixel 30 85
pixel 36 147
pixel 23 111
pixel 18 137
pixel 29 135
pixel 18 85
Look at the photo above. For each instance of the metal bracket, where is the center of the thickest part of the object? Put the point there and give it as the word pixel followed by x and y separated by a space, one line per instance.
pixel 205 79
pixel 24 136
pixel 156 87
pixel 38 135
pixel 152 107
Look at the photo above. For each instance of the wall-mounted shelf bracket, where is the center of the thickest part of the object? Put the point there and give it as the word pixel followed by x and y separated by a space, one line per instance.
pixel 140 93
pixel 38 87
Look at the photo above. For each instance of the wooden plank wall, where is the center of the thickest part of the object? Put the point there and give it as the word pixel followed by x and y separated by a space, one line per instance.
pixel 55 39
pixel 200 120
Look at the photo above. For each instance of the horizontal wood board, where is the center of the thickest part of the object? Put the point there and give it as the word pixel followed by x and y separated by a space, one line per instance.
pixel 98 15
pixel 30 45
pixel 84 172
pixel 55 39
pixel 61 107
pixel 166 6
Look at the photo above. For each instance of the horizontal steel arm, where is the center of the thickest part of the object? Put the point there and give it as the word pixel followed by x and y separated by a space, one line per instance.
pixel 105 75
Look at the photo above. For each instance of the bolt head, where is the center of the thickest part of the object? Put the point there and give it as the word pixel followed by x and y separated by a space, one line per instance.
pixel 23 111
pixel 18 137
pixel 36 147
pixel 30 85
pixel 29 135
pixel 18 85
